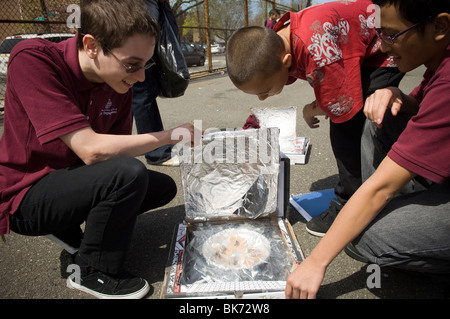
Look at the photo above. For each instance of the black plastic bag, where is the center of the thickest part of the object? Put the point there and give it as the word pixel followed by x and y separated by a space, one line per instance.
pixel 173 73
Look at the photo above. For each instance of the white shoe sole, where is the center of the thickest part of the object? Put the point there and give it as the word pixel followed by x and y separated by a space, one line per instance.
pixel 312 232
pixel 174 161
pixel 135 295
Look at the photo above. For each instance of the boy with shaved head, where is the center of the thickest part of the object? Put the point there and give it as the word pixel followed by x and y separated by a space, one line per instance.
pixel 334 47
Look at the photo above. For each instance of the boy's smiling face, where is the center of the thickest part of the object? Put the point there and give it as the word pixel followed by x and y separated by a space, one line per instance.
pixel 413 48
pixel 136 51
pixel 107 65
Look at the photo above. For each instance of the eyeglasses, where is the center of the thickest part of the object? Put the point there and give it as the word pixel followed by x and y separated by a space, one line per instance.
pixel 389 39
pixel 132 68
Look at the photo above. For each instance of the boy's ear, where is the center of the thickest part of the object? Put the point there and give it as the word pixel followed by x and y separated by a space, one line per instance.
pixel 287 59
pixel 90 46
pixel 441 26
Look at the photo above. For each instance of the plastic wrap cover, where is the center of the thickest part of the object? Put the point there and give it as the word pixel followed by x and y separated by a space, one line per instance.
pixel 233 251
pixel 285 118
pixel 232 174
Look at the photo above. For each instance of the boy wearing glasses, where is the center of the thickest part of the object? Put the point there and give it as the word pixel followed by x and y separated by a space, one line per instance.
pixel 67 155
pixel 379 224
pixel 333 46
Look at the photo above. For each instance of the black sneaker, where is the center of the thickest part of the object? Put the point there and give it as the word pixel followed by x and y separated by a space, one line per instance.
pixel 105 286
pixel 319 225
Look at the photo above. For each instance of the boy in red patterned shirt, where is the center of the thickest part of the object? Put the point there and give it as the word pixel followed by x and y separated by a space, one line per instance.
pixel 335 48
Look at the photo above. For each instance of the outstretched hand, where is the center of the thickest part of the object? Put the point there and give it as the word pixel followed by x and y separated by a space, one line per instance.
pixel 186 134
pixel 304 281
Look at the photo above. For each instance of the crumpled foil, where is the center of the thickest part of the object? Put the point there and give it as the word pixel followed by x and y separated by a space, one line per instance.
pixel 231 174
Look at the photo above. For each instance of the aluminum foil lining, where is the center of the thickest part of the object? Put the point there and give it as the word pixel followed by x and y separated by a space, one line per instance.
pixel 231 174
pixel 236 251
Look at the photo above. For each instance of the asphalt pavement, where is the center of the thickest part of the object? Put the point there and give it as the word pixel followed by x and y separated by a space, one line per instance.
pixel 35 267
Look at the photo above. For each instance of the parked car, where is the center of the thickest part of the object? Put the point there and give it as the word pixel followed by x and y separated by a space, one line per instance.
pixel 192 56
pixel 217 48
pixel 8 44
pixel 198 47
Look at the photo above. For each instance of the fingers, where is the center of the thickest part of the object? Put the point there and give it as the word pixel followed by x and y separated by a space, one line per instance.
pixel 377 103
pixel 396 106
pixel 299 286
pixel 304 281
pixel 186 134
pixel 313 122
pixel 298 293
pixel 288 291
pixel 309 114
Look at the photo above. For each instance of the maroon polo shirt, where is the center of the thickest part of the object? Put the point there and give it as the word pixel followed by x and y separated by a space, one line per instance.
pixel 424 146
pixel 48 96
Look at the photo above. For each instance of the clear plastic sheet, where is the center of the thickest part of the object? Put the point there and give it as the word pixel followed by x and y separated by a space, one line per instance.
pixel 285 118
pixel 233 251
pixel 232 174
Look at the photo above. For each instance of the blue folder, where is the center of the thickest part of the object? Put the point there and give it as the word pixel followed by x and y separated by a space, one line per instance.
pixel 312 204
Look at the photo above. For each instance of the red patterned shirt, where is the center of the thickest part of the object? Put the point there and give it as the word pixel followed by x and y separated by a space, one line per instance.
pixel 329 45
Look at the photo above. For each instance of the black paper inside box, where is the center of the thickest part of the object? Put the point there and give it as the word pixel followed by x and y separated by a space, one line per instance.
pixel 236 241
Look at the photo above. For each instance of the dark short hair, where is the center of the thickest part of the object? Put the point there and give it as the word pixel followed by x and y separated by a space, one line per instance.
pixel 112 22
pixel 416 11
pixel 274 11
pixel 253 51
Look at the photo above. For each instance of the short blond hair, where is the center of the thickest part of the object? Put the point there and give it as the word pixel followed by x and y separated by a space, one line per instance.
pixel 253 51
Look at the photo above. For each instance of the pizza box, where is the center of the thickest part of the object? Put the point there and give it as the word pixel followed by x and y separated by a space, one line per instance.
pixel 298 154
pixel 236 241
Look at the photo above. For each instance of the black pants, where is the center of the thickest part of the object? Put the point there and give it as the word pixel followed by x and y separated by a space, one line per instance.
pixel 108 196
pixel 346 137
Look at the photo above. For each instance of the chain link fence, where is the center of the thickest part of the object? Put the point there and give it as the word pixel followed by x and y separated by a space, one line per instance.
pixel 24 19
pixel 206 25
